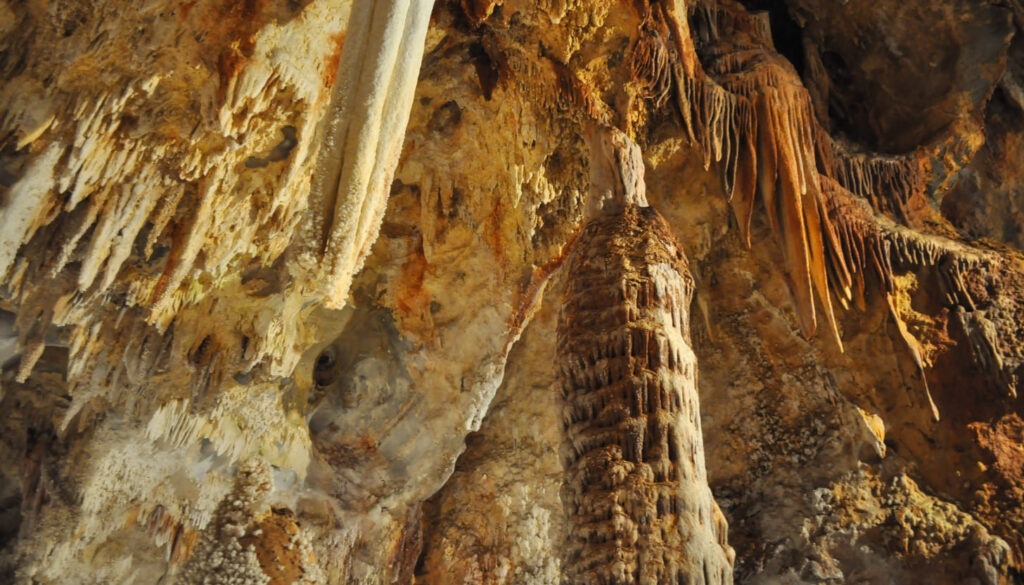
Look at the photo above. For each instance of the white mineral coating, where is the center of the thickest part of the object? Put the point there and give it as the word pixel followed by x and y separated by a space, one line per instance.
pixel 25 202
pixel 363 136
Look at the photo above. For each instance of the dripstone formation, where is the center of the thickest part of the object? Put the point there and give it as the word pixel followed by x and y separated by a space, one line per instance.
pixel 635 492
pixel 281 284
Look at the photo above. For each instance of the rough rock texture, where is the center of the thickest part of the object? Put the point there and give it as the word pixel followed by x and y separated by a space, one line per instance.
pixel 274 292
pixel 636 496
pixel 635 491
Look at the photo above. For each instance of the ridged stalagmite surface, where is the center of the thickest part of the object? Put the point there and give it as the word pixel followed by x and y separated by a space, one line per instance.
pixel 635 493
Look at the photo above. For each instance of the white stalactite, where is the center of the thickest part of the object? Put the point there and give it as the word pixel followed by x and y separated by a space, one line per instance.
pixel 363 137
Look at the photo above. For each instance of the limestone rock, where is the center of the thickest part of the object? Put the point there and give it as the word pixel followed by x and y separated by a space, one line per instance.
pixel 280 280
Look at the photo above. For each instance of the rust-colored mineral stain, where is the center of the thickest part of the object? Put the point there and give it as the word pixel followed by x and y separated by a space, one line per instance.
pixel 493 233
pixel 528 299
pixel 1000 495
pixel 367 443
pixel 179 234
pixel 491 66
pixel 230 63
pixel 408 547
pixel 1004 441
pixel 477 11
pixel 233 37
pixel 331 65
pixel 412 300
pixel 182 544
pixel 279 556
pixel 185 9
pixel 409 294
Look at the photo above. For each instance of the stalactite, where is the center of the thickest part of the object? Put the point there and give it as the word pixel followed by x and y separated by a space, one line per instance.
pixel 746 108
pixel 751 115
pixel 650 62
pixel 873 244
pixel 718 96
pixel 363 137
pixel 887 182
pixel 636 492
pixel 877 248
pixel 156 222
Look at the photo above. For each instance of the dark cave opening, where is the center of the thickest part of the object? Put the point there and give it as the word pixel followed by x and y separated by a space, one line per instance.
pixel 786 33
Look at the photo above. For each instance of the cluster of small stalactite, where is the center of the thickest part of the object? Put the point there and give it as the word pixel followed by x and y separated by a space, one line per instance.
pixel 836 212
pixel 745 106
pixel 741 91
pixel 875 248
pixel 886 182
pixel 635 490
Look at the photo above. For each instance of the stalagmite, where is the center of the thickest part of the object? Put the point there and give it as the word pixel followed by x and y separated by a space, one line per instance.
pixel 635 491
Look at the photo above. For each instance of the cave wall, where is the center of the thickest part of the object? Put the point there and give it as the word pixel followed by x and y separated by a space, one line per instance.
pixel 257 328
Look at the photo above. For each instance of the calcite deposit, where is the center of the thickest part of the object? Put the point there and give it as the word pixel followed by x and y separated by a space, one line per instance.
pixel 635 493
pixel 281 284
